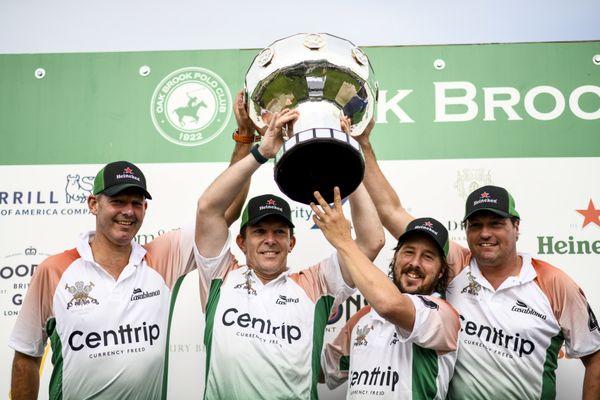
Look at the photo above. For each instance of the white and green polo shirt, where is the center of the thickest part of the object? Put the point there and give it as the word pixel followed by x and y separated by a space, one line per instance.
pixel 109 337
pixel 263 341
pixel 511 336
pixel 382 361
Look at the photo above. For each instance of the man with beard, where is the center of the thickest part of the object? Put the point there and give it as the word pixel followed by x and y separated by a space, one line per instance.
pixel 265 323
pixel 516 311
pixel 403 345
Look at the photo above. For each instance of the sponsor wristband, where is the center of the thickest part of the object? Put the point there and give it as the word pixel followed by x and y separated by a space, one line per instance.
pixel 257 156
pixel 245 138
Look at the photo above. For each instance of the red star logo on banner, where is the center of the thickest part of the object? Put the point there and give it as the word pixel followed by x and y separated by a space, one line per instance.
pixel 128 170
pixel 270 202
pixel 485 195
pixel 591 215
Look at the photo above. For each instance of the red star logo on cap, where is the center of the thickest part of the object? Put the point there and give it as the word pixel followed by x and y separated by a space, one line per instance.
pixel 485 195
pixel 128 170
pixel 591 215
pixel 428 224
pixel 270 202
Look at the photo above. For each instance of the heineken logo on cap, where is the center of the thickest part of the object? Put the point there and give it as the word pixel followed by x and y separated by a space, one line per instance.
pixel 485 198
pixel 128 170
pixel 191 106
pixel 271 202
pixel 428 226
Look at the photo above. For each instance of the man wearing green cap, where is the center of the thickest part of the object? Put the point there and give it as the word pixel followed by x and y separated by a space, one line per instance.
pixel 105 304
pixel 516 311
pixel 265 323
pixel 403 344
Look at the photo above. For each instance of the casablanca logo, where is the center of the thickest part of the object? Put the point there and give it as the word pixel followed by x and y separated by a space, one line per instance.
pixel 591 215
pixel 78 188
pixel 469 179
pixel 247 284
pixel 191 106
pixel 361 335
pixel 81 294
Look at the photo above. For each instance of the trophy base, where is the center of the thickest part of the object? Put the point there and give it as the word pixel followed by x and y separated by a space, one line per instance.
pixel 318 160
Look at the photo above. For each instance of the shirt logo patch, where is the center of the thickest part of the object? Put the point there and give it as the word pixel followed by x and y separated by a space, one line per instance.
pixel 283 300
pixel 247 284
pixel 361 335
pixel 394 339
pixel 139 294
pixel 429 304
pixel 473 287
pixel 81 294
pixel 525 309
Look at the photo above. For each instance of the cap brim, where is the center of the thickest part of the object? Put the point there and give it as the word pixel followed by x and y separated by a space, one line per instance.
pixel 116 189
pixel 261 217
pixel 420 232
pixel 493 210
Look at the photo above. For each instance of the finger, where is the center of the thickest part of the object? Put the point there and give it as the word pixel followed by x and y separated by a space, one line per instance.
pixel 316 210
pixel 337 198
pixel 317 222
pixel 321 202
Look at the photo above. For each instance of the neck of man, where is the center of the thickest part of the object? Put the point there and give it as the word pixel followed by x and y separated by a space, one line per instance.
pixel 111 257
pixel 265 277
pixel 496 274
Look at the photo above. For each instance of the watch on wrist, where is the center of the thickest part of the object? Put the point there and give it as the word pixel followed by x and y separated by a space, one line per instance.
pixel 257 155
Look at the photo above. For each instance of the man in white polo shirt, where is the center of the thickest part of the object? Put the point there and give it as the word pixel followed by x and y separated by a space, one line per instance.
pixel 516 311
pixel 105 304
pixel 403 344
pixel 265 323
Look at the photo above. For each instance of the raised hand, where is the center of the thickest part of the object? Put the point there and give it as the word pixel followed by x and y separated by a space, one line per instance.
pixel 245 125
pixel 331 220
pixel 363 138
pixel 279 129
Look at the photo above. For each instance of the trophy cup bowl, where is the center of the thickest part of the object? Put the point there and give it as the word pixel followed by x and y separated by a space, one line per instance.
pixel 323 77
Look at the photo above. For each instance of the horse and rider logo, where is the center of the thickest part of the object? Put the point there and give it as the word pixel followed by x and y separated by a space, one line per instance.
pixel 191 106
pixel 81 294
pixel 247 284
pixel 361 335
pixel 473 287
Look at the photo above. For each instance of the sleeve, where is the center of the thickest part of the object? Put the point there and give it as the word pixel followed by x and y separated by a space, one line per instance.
pixel 213 268
pixel 571 309
pixel 335 359
pixel 458 258
pixel 29 334
pixel 436 324
pixel 324 279
pixel 171 254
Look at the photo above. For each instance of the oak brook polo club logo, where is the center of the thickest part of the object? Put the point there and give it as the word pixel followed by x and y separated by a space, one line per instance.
pixel 191 106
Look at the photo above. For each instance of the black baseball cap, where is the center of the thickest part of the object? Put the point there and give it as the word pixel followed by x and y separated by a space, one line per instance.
pixel 263 206
pixel 118 176
pixel 491 198
pixel 430 227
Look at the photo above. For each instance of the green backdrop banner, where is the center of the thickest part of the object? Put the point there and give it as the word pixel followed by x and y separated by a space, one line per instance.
pixel 471 101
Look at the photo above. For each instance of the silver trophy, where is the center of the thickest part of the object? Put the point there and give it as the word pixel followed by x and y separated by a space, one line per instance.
pixel 323 76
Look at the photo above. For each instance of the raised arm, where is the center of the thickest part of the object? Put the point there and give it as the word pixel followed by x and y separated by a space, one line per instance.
pixel 393 216
pixel 211 224
pixel 25 382
pixel 377 288
pixel 591 379
pixel 245 139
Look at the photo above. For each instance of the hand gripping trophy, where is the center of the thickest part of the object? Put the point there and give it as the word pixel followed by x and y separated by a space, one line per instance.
pixel 323 77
